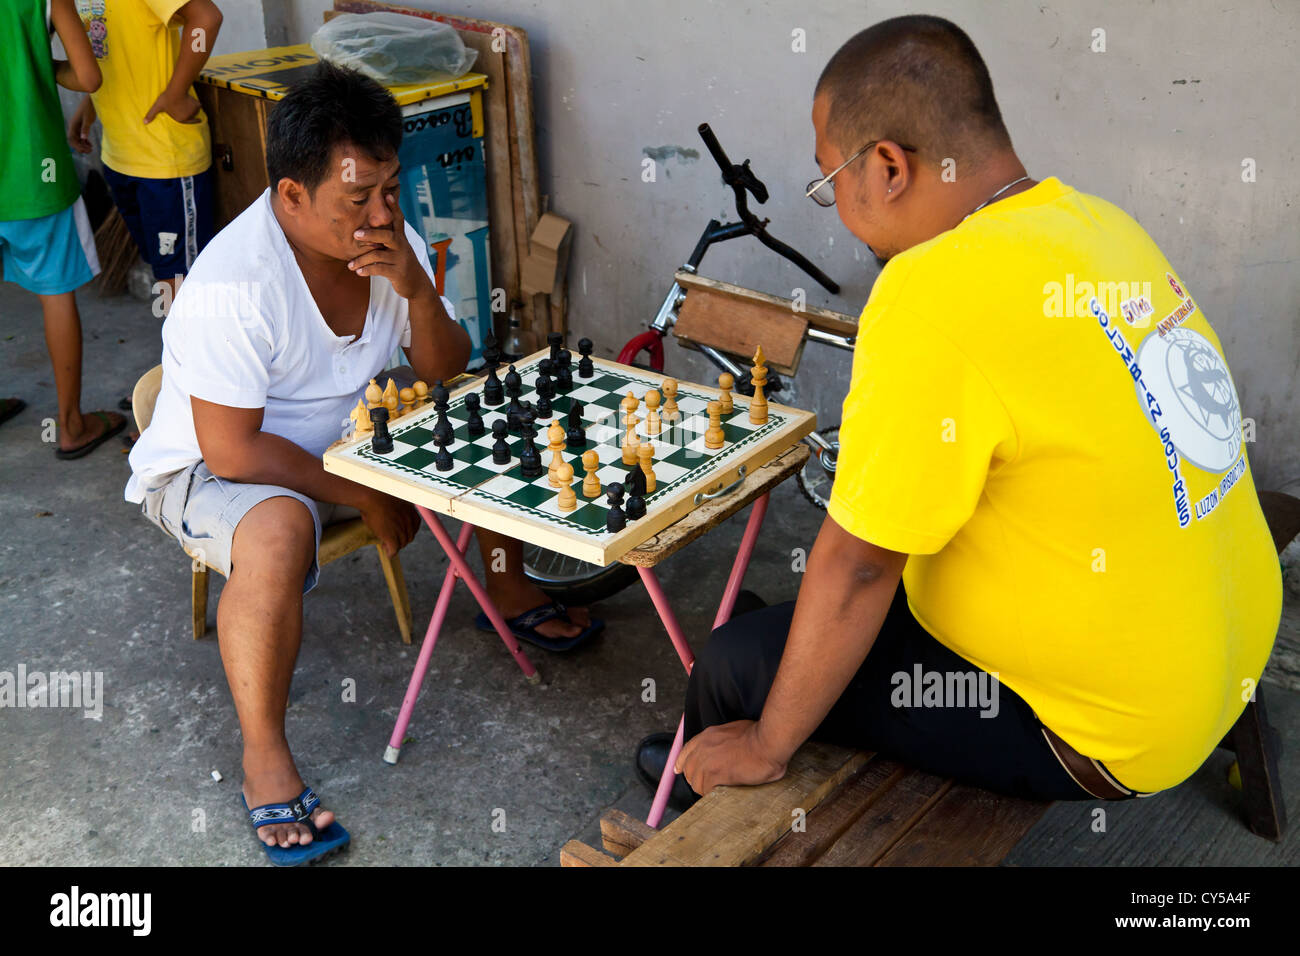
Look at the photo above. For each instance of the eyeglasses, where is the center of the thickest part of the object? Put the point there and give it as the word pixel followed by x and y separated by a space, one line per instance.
pixel 822 191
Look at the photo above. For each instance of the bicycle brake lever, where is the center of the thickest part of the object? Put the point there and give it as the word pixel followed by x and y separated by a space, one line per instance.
pixel 752 183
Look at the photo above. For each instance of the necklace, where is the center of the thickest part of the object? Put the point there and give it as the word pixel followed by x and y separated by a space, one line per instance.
pixel 993 197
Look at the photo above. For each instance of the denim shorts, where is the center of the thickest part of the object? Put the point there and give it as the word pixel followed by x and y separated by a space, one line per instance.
pixel 202 511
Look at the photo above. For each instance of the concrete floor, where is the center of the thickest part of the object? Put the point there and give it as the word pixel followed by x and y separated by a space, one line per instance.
pixel 87 584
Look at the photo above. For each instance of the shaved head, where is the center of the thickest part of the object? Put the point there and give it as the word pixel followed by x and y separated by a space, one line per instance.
pixel 918 81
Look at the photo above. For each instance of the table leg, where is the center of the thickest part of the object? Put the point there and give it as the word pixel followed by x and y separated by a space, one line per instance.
pixel 426 652
pixel 665 787
pixel 466 574
pixel 756 515
pixel 678 637
pixel 666 615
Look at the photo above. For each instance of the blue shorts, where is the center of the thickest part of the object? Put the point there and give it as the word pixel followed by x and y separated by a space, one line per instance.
pixel 169 219
pixel 51 254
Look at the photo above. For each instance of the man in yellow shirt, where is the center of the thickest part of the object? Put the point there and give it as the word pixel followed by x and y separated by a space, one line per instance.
pixel 157 149
pixel 1041 440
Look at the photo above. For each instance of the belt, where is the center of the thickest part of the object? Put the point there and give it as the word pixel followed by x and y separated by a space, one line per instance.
pixel 1088 773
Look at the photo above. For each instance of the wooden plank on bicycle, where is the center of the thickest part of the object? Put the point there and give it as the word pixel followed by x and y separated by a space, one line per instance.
pixel 737 320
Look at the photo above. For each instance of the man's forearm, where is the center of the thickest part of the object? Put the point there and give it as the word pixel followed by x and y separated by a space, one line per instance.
pixel 268 459
pixel 66 76
pixel 440 348
pixel 840 610
pixel 197 36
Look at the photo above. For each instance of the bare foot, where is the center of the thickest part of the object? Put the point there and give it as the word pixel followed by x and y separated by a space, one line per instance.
pixel 271 777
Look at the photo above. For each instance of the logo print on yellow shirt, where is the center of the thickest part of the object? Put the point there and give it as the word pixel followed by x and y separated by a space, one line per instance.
pixel 92 16
pixel 1191 381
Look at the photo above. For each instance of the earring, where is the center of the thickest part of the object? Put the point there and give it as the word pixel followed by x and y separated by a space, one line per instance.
pixel 891 189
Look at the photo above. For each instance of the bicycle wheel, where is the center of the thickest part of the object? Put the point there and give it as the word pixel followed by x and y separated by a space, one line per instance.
pixel 574 582
pixel 817 475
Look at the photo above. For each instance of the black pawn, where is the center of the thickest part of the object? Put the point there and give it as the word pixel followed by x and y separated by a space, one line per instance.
pixel 564 372
pixel 474 424
pixel 544 386
pixel 615 520
pixel 586 369
pixel 556 341
pixel 636 493
pixel 381 443
pixel 576 437
pixel 500 450
pixel 443 460
pixel 514 388
pixel 493 394
pixel 530 457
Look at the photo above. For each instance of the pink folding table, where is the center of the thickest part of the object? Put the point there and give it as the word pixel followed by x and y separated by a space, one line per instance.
pixel 753 488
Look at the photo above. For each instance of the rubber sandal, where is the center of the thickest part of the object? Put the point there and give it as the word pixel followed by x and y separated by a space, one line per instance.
pixel 86 449
pixel 524 627
pixel 15 406
pixel 326 842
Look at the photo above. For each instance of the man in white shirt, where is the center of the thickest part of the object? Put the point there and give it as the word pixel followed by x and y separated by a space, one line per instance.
pixel 286 316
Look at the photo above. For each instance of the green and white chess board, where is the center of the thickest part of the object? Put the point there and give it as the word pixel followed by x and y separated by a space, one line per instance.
pixel 498 497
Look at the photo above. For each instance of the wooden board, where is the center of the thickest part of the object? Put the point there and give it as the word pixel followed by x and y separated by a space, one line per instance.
pixel 737 325
pixel 965 827
pixel 827 823
pixel 498 498
pixel 513 182
pixel 889 817
pixel 827 320
pixel 732 826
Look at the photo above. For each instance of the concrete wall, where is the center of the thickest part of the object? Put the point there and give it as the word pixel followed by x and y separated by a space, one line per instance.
pixel 1159 123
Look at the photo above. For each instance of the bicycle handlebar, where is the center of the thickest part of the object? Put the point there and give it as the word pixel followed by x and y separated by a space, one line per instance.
pixel 741 178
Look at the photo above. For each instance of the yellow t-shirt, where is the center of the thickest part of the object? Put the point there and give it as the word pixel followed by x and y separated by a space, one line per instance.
pixel 136 46
pixel 1041 416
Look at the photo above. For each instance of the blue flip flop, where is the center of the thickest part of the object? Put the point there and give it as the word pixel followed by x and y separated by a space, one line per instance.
pixel 324 842
pixel 525 625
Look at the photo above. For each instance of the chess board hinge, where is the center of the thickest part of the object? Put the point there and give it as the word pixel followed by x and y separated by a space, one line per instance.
pixel 704 496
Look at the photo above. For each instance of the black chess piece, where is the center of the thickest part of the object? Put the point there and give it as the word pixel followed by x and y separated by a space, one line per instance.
pixel 443 460
pixel 586 369
pixel 500 449
pixel 556 341
pixel 381 442
pixel 544 409
pixel 514 388
pixel 442 426
pixel 564 371
pixel 615 519
pixel 493 394
pixel 544 386
pixel 530 457
pixel 636 493
pixel 576 436
pixel 474 424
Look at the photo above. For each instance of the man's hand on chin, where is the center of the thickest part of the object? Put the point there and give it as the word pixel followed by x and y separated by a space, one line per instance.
pixel 727 755
pixel 390 255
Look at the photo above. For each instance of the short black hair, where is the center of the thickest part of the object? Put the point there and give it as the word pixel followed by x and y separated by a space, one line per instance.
pixel 917 80
pixel 333 105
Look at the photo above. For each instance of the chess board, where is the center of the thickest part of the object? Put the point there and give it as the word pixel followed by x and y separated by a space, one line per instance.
pixel 499 498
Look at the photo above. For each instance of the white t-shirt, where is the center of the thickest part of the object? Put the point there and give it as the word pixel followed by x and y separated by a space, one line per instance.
pixel 245 331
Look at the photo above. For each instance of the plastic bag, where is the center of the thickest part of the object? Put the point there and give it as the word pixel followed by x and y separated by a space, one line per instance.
pixel 392 48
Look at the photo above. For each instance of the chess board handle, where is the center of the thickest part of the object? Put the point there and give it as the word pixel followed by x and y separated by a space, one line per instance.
pixel 704 496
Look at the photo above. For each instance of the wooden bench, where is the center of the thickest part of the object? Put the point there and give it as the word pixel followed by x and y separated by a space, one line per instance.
pixel 839 807
pixel 834 807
